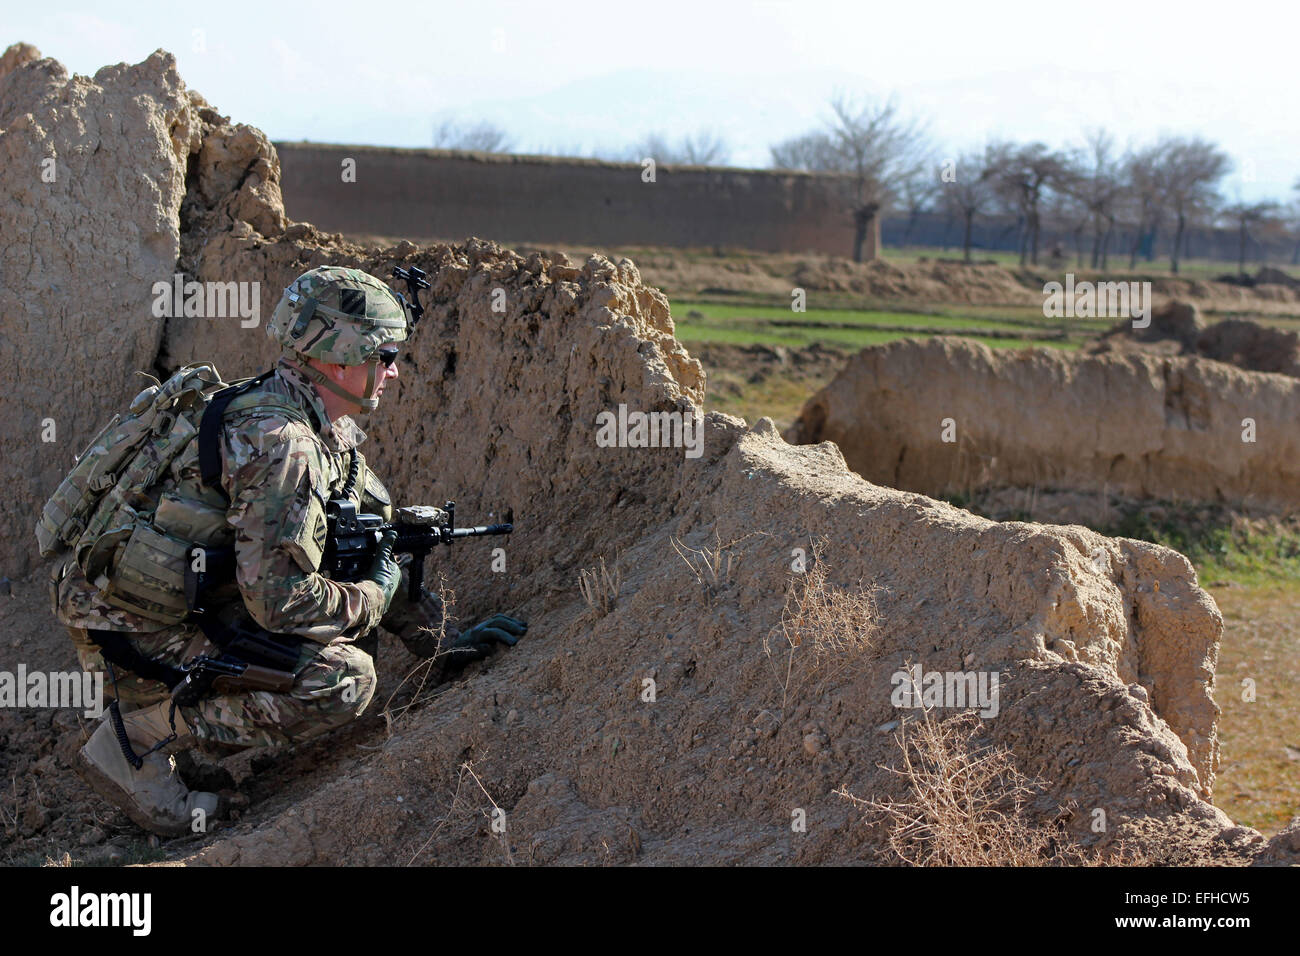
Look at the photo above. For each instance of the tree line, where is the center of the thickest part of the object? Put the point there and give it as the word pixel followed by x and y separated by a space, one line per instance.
pixel 1089 192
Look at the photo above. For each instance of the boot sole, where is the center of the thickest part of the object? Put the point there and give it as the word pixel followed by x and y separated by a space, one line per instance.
pixel 105 786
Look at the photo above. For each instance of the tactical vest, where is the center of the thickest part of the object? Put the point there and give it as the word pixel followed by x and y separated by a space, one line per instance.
pixel 124 510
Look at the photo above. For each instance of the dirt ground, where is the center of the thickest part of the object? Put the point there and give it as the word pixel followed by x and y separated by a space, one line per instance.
pixel 1259 779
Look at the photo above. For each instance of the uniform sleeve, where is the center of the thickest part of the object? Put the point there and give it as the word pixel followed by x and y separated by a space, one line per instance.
pixel 277 489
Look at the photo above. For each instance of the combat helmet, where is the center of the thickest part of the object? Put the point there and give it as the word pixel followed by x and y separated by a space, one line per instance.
pixel 342 316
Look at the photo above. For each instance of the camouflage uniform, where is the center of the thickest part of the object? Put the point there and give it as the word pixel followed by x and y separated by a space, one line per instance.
pixel 278 471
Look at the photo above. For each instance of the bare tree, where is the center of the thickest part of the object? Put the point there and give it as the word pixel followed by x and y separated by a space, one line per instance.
pixel 1244 215
pixel 1022 173
pixel 813 152
pixel 1071 216
pixel 1093 175
pixel 917 195
pixel 1191 170
pixel 969 192
pixel 1291 216
pixel 1144 195
pixel 482 137
pixel 873 145
pixel 705 148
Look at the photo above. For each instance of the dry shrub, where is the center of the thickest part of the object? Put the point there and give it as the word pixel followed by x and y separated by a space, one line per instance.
pixel 600 587
pixel 711 566
pixel 418 677
pixel 467 808
pixel 824 628
pixel 970 806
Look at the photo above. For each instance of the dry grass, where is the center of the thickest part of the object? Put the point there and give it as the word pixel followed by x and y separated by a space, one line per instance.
pixel 711 567
pixel 600 587
pixel 418 677
pixel 824 628
pixel 464 806
pixel 969 805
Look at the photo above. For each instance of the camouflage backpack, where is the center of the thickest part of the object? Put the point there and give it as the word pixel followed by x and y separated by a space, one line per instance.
pixel 129 534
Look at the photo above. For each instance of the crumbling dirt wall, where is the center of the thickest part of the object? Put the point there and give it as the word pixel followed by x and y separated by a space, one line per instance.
pixel 1133 424
pixel 94 175
pixel 96 171
pixel 1106 648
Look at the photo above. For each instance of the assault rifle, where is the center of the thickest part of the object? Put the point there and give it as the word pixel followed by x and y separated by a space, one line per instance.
pixel 253 659
pixel 353 536
pixel 351 540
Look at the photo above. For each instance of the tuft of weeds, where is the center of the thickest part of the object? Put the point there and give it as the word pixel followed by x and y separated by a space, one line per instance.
pixel 969 805
pixel 466 807
pixel 600 587
pixel 824 628
pixel 711 566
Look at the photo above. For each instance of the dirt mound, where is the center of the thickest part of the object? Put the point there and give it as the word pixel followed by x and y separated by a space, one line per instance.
pixel 1175 324
pixel 687 274
pixel 759 362
pixel 930 281
pixel 713 769
pixel 683 712
pixel 953 416
pixel 1178 329
pixel 1250 345
pixel 1226 297
pixel 82 286
pixel 1268 275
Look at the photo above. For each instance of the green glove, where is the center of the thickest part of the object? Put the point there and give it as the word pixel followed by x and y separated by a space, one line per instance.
pixel 476 643
pixel 384 570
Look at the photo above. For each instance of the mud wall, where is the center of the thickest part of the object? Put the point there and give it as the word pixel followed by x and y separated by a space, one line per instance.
pixel 440 194
pixel 953 416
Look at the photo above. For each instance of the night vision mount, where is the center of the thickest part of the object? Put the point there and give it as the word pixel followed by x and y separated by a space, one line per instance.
pixel 415 279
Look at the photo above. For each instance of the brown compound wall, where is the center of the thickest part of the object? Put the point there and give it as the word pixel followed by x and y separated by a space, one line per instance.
pixel 441 194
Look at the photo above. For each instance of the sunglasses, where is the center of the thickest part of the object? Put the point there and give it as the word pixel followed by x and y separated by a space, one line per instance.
pixel 387 356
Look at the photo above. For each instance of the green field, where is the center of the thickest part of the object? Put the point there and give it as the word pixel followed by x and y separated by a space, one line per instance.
pixel 745 324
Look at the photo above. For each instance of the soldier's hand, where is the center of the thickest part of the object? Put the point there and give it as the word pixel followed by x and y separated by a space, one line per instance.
pixel 384 570
pixel 498 629
pixel 477 643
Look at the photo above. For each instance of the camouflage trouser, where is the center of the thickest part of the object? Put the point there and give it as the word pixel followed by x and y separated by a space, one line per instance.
pixel 333 685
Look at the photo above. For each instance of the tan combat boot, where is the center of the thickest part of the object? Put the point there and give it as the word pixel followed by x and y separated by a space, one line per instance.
pixel 153 796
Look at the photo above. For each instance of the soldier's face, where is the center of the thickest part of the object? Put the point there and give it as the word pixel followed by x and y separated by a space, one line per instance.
pixel 355 378
pixel 386 373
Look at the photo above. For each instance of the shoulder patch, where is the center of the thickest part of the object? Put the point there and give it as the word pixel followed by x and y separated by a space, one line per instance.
pixel 305 539
pixel 376 490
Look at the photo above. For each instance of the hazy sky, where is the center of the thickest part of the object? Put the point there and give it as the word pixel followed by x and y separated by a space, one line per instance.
pixel 570 75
